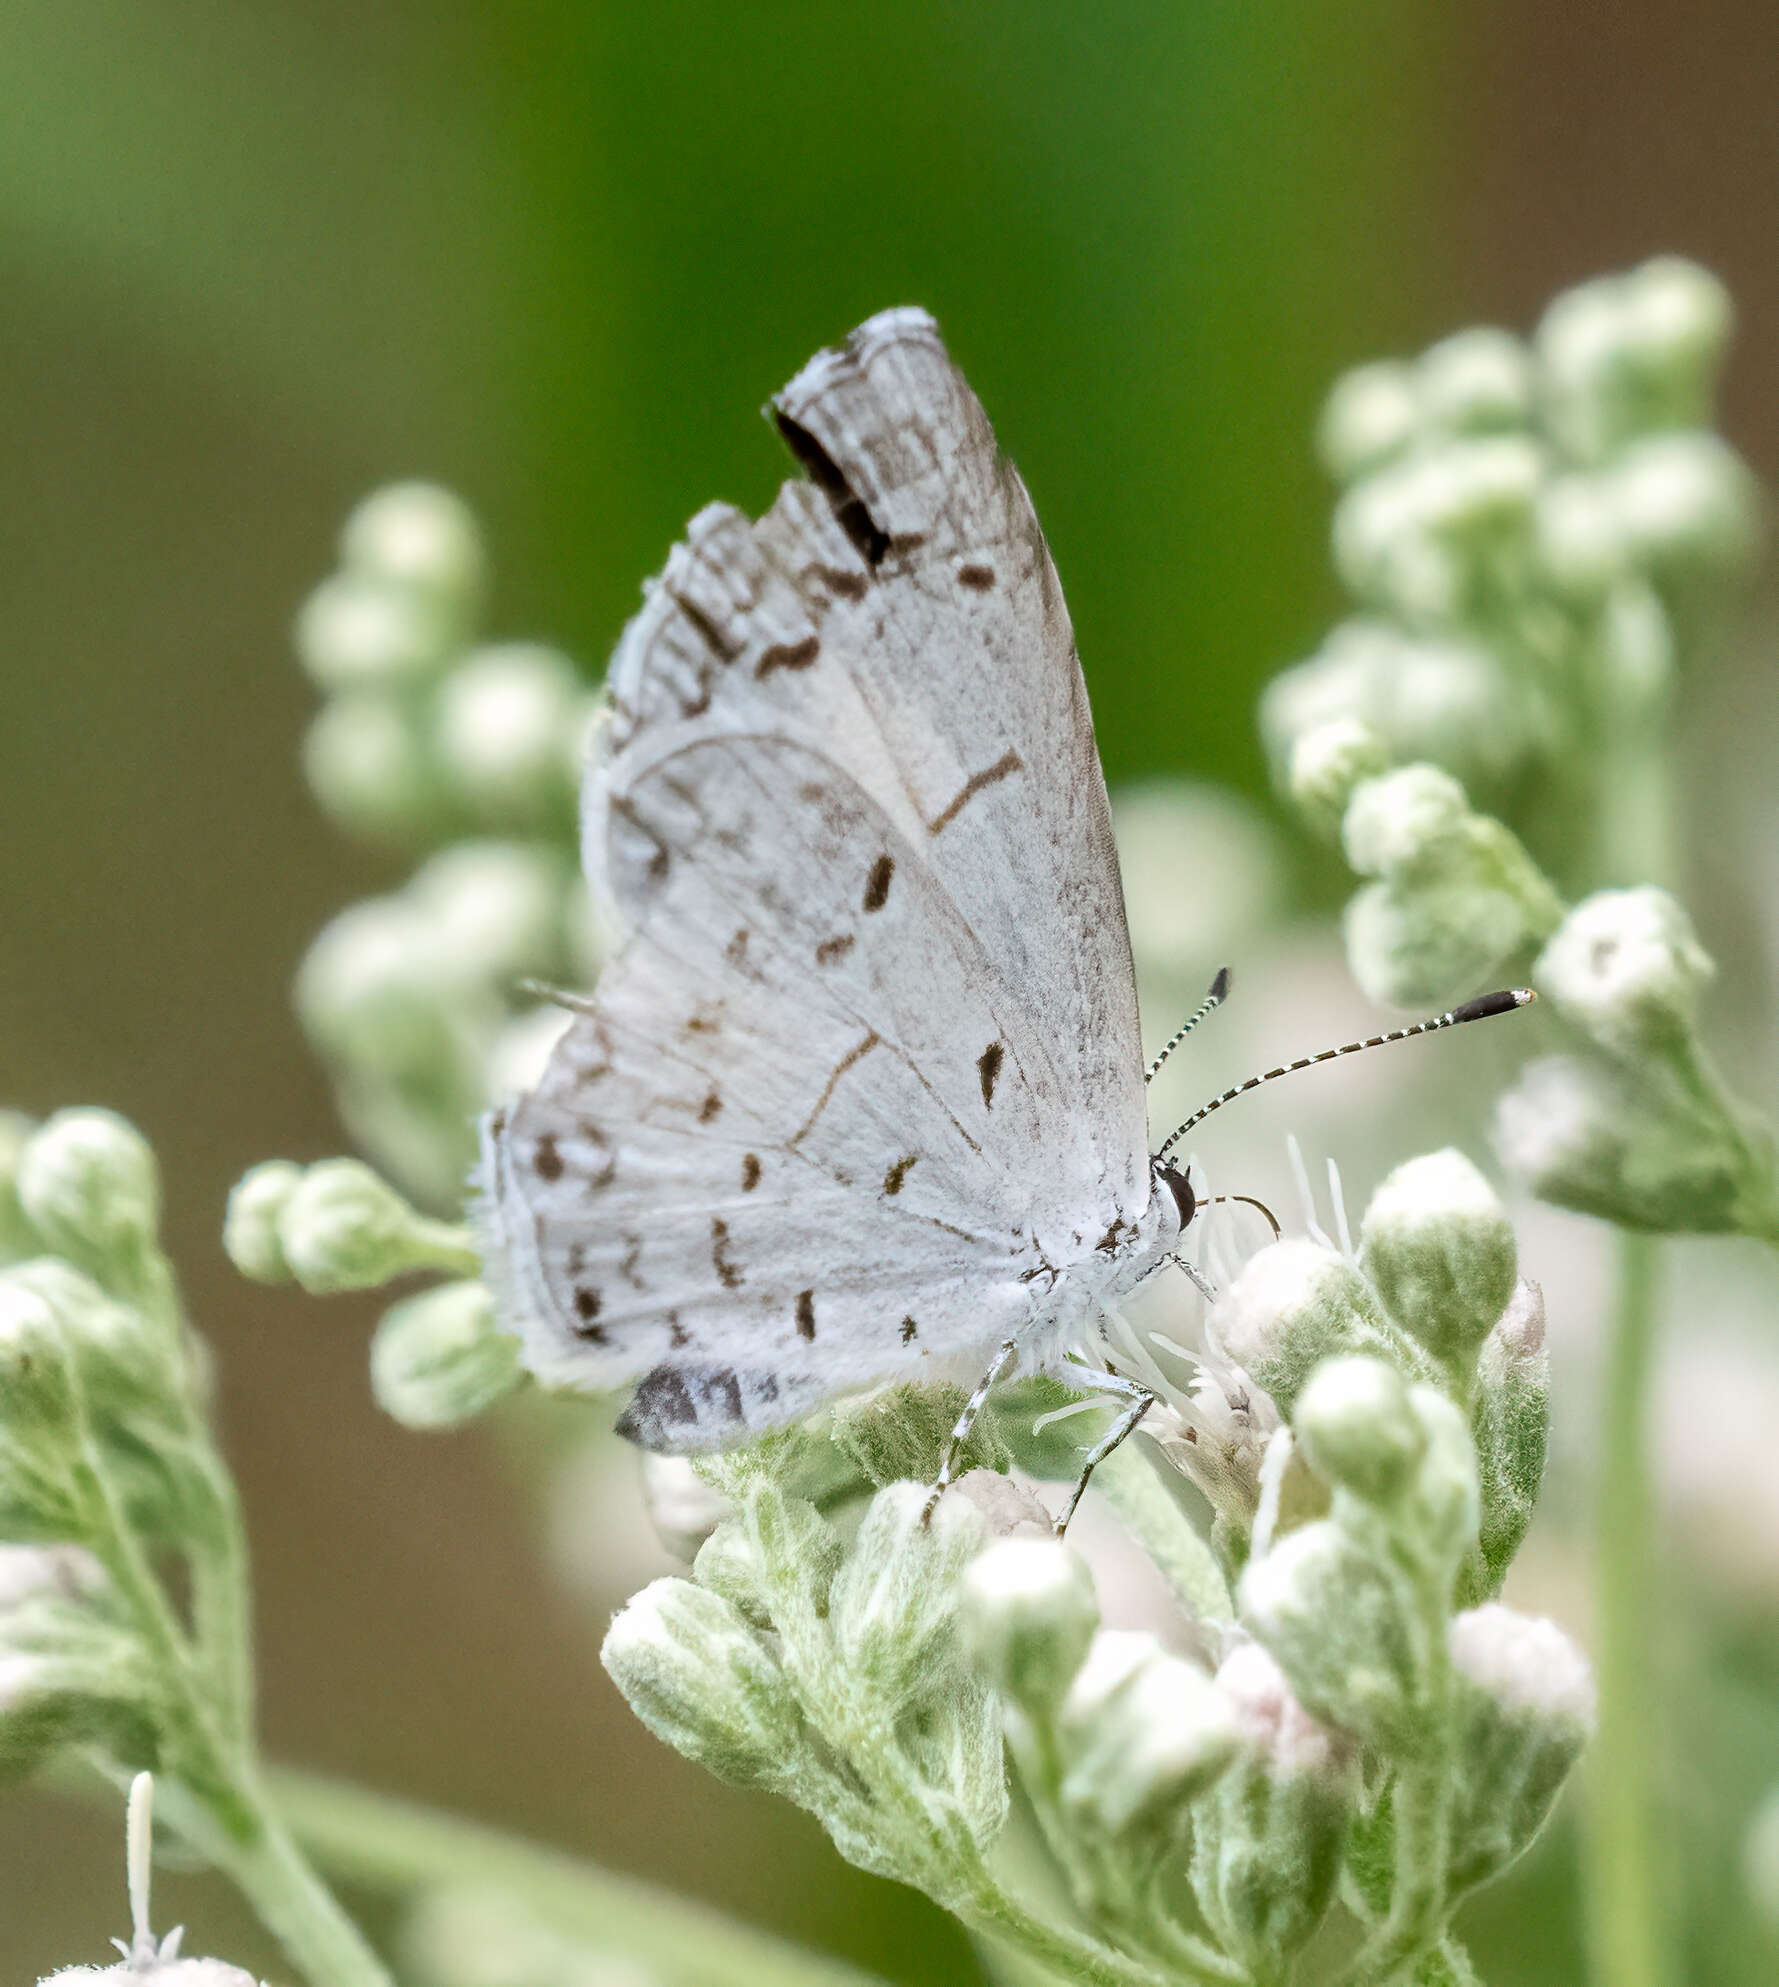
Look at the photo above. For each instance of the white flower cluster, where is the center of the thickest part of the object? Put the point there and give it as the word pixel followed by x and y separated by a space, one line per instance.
pixel 468 756
pixel 1535 533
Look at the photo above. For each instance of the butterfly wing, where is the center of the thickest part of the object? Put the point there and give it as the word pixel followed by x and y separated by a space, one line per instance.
pixel 899 611
pixel 868 1062
pixel 791 1148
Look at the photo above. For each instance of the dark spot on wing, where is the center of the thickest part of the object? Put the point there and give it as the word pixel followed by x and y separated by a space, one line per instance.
pixel 722 1388
pixel 736 950
pixel 1114 1236
pixel 908 1330
pixel 750 1171
pixel 727 1273
pixel 632 1256
pixel 577 1258
pixel 677 1335
pixel 546 1158
pixel 498 1123
pixel 788 655
pixel 662 1400
pixel 695 707
pixel 722 643
pixel 851 515
pixel 834 948
pixel 806 1314
pixel 979 579
pixel 709 1108
pixel 1008 763
pixel 586 1309
pixel 988 1067
pixel 892 1180
pixel 849 585
pixel 878 882
pixel 701 1024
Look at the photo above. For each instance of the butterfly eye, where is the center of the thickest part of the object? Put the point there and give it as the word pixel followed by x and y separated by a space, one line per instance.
pixel 1180 1187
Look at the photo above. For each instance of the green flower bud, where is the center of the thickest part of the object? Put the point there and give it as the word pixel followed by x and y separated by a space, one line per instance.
pixel 88 1184
pixel 1475 382
pixel 893 1607
pixel 511 726
pixel 358 631
pixel 1294 1305
pixel 345 1228
pixel 250 1227
pixel 1327 764
pixel 420 536
pixel 1625 968
pixel 1439 1250
pixel 1511 1428
pixel 1267 1842
pixel 496 909
pixel 699 1677
pixel 1626 355
pixel 18 1239
pixel 1526 1709
pixel 1358 1428
pixel 1342 1624
pixel 1370 416
pixel 441 1358
pixel 1142 1733
pixel 40 1431
pixel 1685 504
pixel 1028 1613
pixel 367 766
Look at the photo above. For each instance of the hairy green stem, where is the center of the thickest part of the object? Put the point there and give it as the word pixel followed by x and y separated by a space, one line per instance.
pixel 300 1912
pixel 394 1846
pixel 1623 1916
pixel 1157 1523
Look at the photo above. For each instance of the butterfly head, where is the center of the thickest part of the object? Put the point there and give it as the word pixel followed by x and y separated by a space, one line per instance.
pixel 1175 1181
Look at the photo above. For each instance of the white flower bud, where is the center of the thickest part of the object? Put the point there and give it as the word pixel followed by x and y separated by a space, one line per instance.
pixel 367 766
pixel 682 1507
pixel 1294 1305
pixel 40 1432
pixel 1625 968
pixel 1327 764
pixel 1370 416
pixel 357 631
pixel 344 1227
pixel 1274 1726
pixel 1475 381
pixel 894 1602
pixel 511 726
pixel 1028 1613
pixel 250 1227
pixel 1142 1733
pixel 373 993
pixel 496 908
pixel 1410 819
pixel 1358 1428
pixel 1625 355
pixel 1439 1250
pixel 419 536
pixel 1685 503
pixel 88 1184
pixel 441 1358
pixel 1581 541
pixel 1526 1709
pixel 699 1677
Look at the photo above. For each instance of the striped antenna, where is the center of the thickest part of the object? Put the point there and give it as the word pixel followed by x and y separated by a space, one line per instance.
pixel 1218 994
pixel 1472 1010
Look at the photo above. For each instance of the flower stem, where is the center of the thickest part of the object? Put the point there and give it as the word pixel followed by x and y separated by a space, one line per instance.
pixel 1623 1919
pixel 389 1845
pixel 298 1909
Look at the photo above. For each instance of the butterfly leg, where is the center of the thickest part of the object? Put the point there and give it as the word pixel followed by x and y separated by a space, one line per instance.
pixel 965 1422
pixel 1138 1401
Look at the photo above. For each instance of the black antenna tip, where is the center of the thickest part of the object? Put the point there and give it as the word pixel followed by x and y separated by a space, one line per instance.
pixel 1220 985
pixel 1503 1002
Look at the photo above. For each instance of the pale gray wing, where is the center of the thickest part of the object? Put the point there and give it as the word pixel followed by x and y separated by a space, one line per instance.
pixel 797 1143
pixel 898 611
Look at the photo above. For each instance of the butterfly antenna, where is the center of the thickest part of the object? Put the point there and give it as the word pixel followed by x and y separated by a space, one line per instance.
pixel 1472 1010
pixel 1218 994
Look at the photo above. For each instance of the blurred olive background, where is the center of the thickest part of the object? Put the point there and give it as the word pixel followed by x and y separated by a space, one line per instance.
pixel 257 258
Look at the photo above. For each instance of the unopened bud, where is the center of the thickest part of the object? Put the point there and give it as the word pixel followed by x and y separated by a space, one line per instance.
pixel 1686 503
pixel 250 1227
pixel 344 1227
pixel 1327 764
pixel 1439 1250
pixel 1475 382
pixel 496 908
pixel 368 767
pixel 441 1358
pixel 358 631
pixel 1526 1709
pixel 699 1677
pixel 1625 968
pixel 1294 1305
pixel 1143 1733
pixel 894 1603
pixel 39 1422
pixel 511 724
pixel 88 1184
pixel 1028 1613
pixel 419 536
pixel 1370 416
pixel 1358 1428
pixel 18 1238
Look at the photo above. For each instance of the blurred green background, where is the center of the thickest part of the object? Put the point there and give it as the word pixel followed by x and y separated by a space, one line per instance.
pixel 256 258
